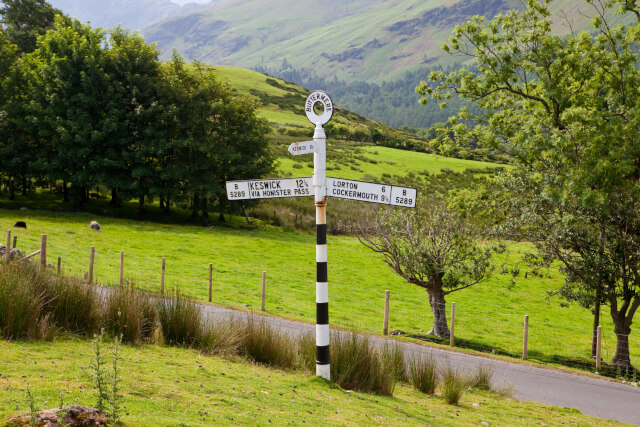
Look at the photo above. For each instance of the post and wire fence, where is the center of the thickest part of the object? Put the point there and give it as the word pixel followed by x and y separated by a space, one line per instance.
pixel 355 306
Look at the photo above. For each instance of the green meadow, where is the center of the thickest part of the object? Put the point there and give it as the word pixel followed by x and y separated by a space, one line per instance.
pixel 489 316
pixel 176 387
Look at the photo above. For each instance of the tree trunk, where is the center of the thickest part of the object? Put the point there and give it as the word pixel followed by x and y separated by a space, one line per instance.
pixel 65 191
pixel 25 187
pixel 114 197
pixel 244 211
pixel 141 204
pixel 596 323
pixel 161 203
pixel 621 358
pixel 12 189
pixel 439 309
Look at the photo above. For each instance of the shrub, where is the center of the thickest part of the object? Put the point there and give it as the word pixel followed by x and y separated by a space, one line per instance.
pixel 23 299
pixel 265 344
pixel 453 385
pixel 423 374
pixel 181 320
pixel 130 314
pixel 356 365
pixel 481 378
pixel 74 305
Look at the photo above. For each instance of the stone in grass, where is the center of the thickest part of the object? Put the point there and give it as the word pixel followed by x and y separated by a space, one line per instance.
pixel 75 416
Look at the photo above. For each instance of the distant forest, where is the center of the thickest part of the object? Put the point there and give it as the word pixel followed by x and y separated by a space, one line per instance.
pixel 394 102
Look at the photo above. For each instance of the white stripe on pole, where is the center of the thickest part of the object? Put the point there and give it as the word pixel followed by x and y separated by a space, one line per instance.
pixel 323 371
pixel 322 335
pixel 322 292
pixel 321 253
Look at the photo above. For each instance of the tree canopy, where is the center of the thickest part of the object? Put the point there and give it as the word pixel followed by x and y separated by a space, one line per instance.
pixel 566 110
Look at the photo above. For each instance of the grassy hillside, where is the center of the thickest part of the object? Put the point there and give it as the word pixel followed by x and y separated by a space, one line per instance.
pixel 489 316
pixel 176 387
pixel 355 40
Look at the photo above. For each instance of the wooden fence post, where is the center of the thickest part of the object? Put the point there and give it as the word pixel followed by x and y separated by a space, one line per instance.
pixel 598 349
pixel 59 263
pixel 121 268
pixel 164 265
pixel 385 325
pixel 525 337
pixel 7 250
pixel 264 287
pixel 92 258
pixel 453 323
pixel 15 241
pixel 43 251
pixel 210 280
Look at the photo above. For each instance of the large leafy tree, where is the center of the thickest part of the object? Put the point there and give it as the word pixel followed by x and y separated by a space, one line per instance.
pixel 71 98
pixel 433 247
pixel 566 110
pixel 25 20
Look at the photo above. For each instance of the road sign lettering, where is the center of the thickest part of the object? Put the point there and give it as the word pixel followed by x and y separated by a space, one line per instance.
pixel 269 188
pixel 306 147
pixel 371 192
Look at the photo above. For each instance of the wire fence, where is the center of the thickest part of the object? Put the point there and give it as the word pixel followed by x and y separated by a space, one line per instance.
pixel 352 306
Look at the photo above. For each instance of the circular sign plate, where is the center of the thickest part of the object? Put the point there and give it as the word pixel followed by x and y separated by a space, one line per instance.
pixel 323 98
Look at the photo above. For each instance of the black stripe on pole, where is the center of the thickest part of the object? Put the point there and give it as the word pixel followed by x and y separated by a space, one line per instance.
pixel 322 313
pixel 321 272
pixel 322 352
pixel 321 234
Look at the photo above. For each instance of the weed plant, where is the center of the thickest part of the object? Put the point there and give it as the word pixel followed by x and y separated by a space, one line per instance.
pixel 97 371
pixel 181 321
pixel 131 315
pixel 423 374
pixel 357 365
pixel 453 385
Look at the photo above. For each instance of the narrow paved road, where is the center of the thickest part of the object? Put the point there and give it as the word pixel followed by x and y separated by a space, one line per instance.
pixel 592 396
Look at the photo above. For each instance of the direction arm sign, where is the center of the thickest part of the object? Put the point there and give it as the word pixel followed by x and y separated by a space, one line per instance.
pixel 306 147
pixel 372 192
pixel 269 188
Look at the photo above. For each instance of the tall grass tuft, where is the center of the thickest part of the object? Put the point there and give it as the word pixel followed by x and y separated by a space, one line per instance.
pixel 453 385
pixel 357 365
pixel 74 305
pixel 307 351
pixel 181 320
pixel 130 314
pixel 222 337
pixel 265 344
pixel 481 378
pixel 393 360
pixel 23 300
pixel 423 374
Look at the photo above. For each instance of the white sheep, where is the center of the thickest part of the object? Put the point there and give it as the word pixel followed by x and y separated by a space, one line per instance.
pixel 95 226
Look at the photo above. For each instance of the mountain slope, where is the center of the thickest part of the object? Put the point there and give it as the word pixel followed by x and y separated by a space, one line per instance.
pixel 132 14
pixel 372 40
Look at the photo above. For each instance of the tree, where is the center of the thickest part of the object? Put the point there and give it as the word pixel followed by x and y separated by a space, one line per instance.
pixel 25 20
pixel 433 247
pixel 71 98
pixel 566 110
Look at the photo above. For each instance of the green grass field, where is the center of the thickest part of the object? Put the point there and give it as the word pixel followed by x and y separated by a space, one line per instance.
pixel 164 386
pixel 489 316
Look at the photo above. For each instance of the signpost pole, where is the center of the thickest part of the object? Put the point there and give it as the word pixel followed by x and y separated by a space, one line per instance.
pixel 323 368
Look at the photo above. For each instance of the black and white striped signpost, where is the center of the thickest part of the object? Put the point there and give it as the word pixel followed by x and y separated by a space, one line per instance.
pixel 320 187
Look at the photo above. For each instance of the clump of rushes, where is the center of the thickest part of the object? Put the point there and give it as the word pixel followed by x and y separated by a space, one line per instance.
pixel 357 365
pixel 224 337
pixel 75 306
pixel 131 315
pixel 393 359
pixel 453 385
pixel 481 378
pixel 423 374
pixel 181 320
pixel 267 345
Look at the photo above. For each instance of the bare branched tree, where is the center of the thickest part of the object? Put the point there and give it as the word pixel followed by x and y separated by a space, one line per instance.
pixel 432 247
